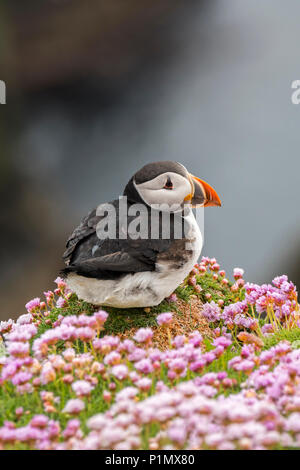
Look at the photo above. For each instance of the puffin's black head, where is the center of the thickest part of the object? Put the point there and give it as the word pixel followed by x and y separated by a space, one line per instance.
pixel 169 183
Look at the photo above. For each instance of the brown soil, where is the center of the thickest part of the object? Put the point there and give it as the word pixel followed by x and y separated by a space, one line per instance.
pixel 187 319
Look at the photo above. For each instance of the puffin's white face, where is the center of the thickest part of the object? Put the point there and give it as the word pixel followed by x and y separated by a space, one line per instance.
pixel 168 189
pixel 168 186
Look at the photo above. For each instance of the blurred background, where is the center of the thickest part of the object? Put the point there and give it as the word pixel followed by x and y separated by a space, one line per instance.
pixel 97 88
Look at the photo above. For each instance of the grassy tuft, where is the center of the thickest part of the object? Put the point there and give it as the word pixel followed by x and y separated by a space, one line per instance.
pixel 281 335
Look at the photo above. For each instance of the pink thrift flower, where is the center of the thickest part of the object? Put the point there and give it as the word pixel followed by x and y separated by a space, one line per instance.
pixel 18 349
pixel 106 396
pixel 172 298
pixel 33 305
pixel 85 333
pixel 24 319
pixel 48 373
pixel 112 358
pixel 215 267
pixel 19 411
pixel 144 384
pixel 127 393
pixel 61 302
pixel 144 366
pixel 120 371
pixel 21 378
pixel 211 311
pixel 74 406
pixel 277 281
pixel 69 354
pixel 143 335
pixel 238 273
pixel 195 338
pixel 61 284
pixel 39 421
pixel 178 341
pixel 6 326
pixel 82 388
pixel 101 317
pixel 165 319
pixel 71 429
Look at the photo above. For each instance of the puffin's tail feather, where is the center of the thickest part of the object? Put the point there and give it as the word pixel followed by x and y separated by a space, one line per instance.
pixel 64 272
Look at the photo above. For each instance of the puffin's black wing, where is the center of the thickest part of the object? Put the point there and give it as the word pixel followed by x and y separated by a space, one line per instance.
pixel 84 230
pixel 90 256
pixel 126 256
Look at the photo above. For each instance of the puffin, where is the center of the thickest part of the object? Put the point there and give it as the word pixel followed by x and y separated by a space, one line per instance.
pixel 136 250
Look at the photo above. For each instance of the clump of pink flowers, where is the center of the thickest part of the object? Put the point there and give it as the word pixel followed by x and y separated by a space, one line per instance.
pixel 277 302
pixel 90 390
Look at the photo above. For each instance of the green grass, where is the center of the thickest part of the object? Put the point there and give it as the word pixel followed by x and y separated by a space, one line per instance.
pixel 119 321
pixel 209 285
pixel 292 335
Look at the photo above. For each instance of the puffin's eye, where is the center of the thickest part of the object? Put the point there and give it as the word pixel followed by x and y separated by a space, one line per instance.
pixel 168 184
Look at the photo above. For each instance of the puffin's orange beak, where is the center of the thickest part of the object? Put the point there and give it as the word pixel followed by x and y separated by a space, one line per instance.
pixel 204 194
